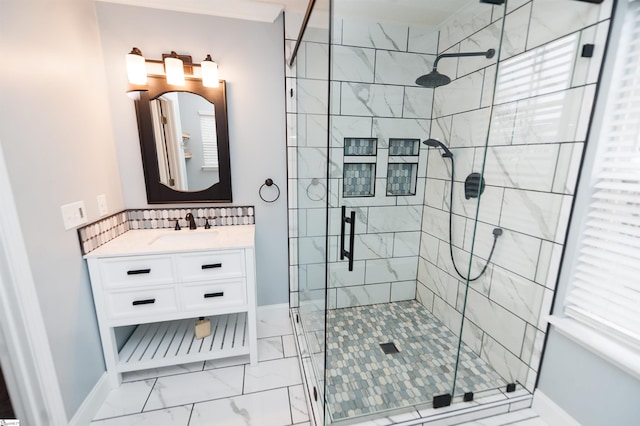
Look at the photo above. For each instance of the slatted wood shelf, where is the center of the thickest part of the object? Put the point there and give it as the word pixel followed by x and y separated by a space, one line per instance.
pixel 162 344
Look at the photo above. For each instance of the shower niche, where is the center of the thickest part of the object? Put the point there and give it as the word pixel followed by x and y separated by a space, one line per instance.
pixel 455 143
pixel 402 166
pixel 359 168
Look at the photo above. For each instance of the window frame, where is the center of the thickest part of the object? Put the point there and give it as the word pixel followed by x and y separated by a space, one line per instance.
pixel 587 335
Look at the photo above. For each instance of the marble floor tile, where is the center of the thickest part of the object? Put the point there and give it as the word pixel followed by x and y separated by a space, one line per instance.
pixel 226 362
pixel 289 345
pixel 151 373
pixel 271 327
pixel 194 387
pixel 270 348
pixel 272 374
pixel 299 409
pixel 176 416
pixel 129 398
pixel 267 408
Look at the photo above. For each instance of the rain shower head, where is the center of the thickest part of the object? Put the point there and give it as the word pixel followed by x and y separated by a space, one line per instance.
pixel 437 144
pixel 435 79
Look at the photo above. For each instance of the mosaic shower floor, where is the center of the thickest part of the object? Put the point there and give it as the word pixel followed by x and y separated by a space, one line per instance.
pixel 362 379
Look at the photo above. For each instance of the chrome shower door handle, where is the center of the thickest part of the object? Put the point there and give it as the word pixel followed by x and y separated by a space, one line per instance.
pixel 352 230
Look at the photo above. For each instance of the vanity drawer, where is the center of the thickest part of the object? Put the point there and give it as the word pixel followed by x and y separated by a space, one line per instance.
pixel 135 271
pixel 228 293
pixel 211 265
pixel 140 303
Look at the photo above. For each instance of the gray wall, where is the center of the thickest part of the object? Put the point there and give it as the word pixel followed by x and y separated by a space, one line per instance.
pixel 587 387
pixel 591 390
pixel 56 135
pixel 250 56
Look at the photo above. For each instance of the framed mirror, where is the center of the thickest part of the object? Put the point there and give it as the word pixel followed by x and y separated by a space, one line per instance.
pixel 184 140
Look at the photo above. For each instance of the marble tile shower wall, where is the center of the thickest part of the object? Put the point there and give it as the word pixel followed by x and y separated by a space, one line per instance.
pixel 374 68
pixel 537 129
pixel 373 95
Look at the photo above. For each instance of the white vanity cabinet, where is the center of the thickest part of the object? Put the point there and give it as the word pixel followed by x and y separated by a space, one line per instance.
pixel 162 281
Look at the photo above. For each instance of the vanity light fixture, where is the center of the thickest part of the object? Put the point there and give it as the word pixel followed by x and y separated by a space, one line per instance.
pixel 209 72
pixel 174 67
pixel 136 67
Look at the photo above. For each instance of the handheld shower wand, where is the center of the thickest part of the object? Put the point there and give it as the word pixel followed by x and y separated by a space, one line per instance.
pixel 437 144
pixel 496 231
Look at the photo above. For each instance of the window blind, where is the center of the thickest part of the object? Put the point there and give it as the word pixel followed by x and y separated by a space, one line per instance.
pixel 209 139
pixel 606 284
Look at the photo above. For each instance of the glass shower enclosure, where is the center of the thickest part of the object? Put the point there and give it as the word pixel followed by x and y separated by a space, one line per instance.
pixel 433 153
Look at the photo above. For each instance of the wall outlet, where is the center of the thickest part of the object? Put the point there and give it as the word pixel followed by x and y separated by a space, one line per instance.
pixel 102 205
pixel 74 214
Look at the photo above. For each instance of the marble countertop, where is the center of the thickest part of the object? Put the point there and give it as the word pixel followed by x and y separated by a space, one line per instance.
pixel 159 241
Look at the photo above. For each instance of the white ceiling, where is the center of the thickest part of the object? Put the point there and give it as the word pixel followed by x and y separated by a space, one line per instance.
pixel 417 12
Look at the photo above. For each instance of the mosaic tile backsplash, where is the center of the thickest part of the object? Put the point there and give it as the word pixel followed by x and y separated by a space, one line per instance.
pixel 101 232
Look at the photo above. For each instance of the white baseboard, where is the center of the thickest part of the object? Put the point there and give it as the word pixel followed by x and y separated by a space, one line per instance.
pixel 92 403
pixel 273 311
pixel 550 412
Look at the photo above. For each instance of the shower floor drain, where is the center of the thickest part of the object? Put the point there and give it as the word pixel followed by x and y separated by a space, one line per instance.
pixel 389 348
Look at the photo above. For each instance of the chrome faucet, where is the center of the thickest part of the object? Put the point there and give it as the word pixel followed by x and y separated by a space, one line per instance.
pixel 192 221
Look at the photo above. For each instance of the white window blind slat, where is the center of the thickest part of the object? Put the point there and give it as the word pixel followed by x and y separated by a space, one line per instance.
pixel 622 231
pixel 605 293
pixel 591 275
pixel 209 139
pixel 598 308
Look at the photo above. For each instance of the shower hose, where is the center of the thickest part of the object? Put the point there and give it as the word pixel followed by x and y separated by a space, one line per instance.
pixel 496 233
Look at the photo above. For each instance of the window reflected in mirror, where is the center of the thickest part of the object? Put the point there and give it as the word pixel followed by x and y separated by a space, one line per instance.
pixel 186 143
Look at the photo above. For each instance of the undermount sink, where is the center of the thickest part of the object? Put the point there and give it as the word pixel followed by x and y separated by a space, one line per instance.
pixel 185 237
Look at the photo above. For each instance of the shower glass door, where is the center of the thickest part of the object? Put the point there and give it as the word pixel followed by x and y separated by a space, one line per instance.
pixel 308 93
pixel 395 341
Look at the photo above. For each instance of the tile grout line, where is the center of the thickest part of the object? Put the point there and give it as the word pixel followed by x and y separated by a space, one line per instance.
pixel 244 377
pixel 193 406
pixel 146 401
pixel 290 405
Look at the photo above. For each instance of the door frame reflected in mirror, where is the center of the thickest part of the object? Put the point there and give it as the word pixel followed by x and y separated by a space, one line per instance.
pixel 157 192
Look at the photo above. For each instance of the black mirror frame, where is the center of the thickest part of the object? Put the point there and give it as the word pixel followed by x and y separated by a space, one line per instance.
pixel 158 193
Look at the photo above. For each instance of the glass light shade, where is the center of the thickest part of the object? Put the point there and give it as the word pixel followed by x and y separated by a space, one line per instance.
pixel 175 71
pixel 209 72
pixel 136 68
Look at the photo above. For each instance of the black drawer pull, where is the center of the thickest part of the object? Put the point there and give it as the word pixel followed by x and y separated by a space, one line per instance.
pixel 139 271
pixel 144 302
pixel 218 294
pixel 212 266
